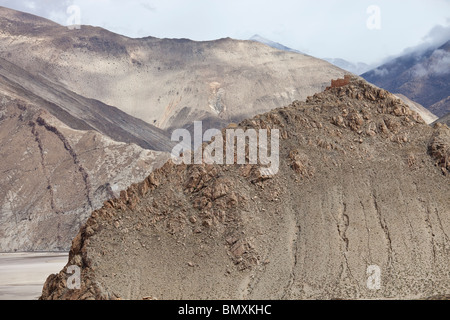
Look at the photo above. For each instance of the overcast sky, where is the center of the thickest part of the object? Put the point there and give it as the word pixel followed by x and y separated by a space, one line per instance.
pixel 355 30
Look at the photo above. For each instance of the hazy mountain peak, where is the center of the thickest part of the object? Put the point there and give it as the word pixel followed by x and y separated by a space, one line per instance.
pixel 355 68
pixel 154 79
pixel 272 44
pixel 355 164
pixel 422 75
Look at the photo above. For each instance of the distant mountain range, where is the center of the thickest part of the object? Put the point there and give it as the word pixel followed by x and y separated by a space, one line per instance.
pixel 165 82
pixel 355 68
pixel 270 43
pixel 422 76
pixel 85 113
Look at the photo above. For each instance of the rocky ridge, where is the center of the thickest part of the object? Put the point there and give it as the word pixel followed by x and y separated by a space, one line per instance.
pixel 423 76
pixel 363 181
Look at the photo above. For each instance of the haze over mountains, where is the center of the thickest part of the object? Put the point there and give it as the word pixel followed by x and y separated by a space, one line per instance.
pixel 423 76
pixel 357 68
pixel 427 70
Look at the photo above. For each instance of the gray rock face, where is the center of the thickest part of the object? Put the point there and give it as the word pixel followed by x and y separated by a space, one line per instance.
pixel 359 209
pixel 53 176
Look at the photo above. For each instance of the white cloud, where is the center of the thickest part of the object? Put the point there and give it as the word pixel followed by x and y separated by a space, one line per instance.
pixel 381 72
pixel 436 37
pixel 438 64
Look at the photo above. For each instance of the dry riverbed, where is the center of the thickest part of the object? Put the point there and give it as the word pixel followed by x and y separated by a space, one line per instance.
pixel 22 275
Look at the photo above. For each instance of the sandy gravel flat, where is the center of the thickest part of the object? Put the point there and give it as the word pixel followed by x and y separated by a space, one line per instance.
pixel 22 275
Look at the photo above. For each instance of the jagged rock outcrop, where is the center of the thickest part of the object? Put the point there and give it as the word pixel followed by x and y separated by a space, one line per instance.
pixel 426 115
pixel 362 181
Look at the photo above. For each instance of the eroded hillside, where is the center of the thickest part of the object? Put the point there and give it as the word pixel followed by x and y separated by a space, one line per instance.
pixel 165 82
pixel 53 176
pixel 363 181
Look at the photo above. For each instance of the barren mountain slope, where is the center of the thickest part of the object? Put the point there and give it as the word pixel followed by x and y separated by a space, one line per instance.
pixel 53 176
pixel 80 113
pixel 442 107
pixel 363 181
pixel 154 79
pixel 426 114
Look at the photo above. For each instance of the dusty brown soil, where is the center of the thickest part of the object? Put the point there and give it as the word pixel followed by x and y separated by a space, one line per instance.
pixel 363 181
pixel 165 82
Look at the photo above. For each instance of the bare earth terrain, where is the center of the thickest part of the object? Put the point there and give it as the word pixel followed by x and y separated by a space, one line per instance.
pixel 363 181
pixel 422 76
pixel 23 274
pixel 53 175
